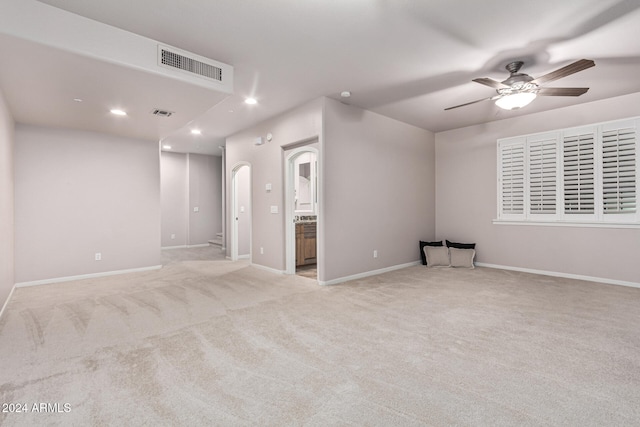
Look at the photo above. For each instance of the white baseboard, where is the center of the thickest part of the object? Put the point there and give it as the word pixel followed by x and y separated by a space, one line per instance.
pixel 563 275
pixel 247 256
pixel 6 303
pixel 201 245
pixel 86 276
pixel 368 273
pixel 272 270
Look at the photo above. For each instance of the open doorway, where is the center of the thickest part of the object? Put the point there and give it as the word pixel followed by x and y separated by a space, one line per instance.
pixel 241 212
pixel 302 209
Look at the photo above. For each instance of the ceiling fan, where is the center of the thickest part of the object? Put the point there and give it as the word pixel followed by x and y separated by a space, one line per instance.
pixel 520 89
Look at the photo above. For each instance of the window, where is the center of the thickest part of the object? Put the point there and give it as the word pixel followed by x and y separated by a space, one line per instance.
pixel 580 175
pixel 619 171
pixel 542 175
pixel 512 173
pixel 578 155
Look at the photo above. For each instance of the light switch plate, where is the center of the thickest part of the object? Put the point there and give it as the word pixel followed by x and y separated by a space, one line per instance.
pixel 268 187
pixel 274 209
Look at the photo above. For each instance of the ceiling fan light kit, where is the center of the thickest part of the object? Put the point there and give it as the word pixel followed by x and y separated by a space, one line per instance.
pixel 520 89
pixel 516 100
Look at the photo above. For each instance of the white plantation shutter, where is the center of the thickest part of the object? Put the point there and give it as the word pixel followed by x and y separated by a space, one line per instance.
pixel 619 171
pixel 512 162
pixel 579 173
pixel 588 175
pixel 542 175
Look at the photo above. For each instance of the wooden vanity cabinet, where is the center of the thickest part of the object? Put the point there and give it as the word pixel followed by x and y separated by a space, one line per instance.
pixel 305 244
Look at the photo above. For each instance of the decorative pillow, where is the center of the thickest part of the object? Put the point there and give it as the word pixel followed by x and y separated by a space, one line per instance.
pixel 461 245
pixel 422 245
pixel 462 257
pixel 437 256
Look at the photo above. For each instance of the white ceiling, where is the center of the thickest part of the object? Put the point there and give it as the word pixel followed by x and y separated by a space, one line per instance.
pixel 405 59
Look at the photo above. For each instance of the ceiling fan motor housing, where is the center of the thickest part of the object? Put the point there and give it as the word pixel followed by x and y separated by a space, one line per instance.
pixel 515 77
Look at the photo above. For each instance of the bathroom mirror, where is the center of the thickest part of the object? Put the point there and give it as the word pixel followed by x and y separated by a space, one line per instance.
pixel 305 184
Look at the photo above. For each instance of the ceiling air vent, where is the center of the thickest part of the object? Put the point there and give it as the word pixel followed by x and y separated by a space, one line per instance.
pixel 191 63
pixel 161 113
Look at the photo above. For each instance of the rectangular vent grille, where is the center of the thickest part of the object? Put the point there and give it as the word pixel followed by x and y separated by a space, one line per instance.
pixel 175 60
pixel 161 113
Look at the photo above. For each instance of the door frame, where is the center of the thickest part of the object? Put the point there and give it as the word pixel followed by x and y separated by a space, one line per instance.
pixel 234 210
pixel 290 227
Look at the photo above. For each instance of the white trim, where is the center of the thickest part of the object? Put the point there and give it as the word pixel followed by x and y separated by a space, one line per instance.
pixel 265 268
pixel 368 273
pixel 200 245
pixel 86 276
pixel 587 224
pixel 187 195
pixel 246 256
pixel 6 303
pixel 289 174
pixel 564 275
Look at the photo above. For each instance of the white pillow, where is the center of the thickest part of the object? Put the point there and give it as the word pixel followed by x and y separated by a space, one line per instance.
pixel 437 256
pixel 462 257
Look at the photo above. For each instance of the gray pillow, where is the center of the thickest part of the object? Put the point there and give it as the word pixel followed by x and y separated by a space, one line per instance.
pixel 437 256
pixel 462 257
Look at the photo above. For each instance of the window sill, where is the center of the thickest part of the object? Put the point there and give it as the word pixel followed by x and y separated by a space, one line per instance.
pixel 586 224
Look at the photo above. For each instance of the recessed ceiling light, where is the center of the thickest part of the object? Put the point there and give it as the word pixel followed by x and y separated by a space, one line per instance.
pixel 196 131
pixel 166 147
pixel 345 94
pixel 118 112
pixel 77 99
pixel 250 101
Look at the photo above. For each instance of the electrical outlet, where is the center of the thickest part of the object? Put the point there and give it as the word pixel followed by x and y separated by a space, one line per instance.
pixel 98 256
pixel 261 250
pixel 173 236
pixel 196 209
pixel 375 253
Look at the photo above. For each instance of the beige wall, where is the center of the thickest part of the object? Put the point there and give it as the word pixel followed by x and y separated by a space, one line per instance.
pixel 205 193
pixel 379 190
pixel 377 187
pixel 188 181
pixel 267 167
pixel 174 185
pixel 6 202
pixel 466 200
pixel 78 193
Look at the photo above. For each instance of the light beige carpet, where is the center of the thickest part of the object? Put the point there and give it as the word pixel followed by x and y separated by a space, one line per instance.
pixel 222 343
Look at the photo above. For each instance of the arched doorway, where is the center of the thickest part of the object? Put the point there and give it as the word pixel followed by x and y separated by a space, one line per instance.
pixel 241 211
pixel 302 202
